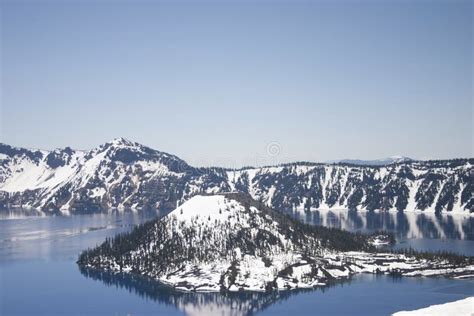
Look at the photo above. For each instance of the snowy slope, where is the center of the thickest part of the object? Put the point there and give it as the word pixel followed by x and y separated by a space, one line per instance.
pixel 231 243
pixel 463 307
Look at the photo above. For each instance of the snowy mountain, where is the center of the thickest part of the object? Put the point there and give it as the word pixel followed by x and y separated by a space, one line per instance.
pixel 119 174
pixel 124 174
pixel 231 242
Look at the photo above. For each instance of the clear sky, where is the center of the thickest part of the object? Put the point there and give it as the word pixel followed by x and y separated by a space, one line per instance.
pixel 241 83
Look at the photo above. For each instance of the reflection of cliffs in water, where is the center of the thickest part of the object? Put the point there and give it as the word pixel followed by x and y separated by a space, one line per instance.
pixel 404 225
pixel 16 213
pixel 225 304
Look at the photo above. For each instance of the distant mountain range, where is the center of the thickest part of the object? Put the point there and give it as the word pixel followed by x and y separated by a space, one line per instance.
pixel 375 162
pixel 124 174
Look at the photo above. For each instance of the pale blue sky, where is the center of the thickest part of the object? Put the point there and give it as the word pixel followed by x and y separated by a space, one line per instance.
pixel 216 82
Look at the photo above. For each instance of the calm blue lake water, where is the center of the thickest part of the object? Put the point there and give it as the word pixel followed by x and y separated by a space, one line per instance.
pixel 38 274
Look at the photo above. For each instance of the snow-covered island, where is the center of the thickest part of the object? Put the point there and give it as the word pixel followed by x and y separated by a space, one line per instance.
pixel 230 242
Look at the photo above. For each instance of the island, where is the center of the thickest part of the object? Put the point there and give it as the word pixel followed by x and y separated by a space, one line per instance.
pixel 230 242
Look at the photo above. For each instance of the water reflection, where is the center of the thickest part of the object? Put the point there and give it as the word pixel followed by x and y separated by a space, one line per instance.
pixel 18 213
pixel 404 225
pixel 228 304
pixel 58 237
pixel 42 250
pixel 61 237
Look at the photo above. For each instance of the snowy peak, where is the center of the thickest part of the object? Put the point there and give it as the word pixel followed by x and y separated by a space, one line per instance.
pixel 125 151
pixel 271 230
pixel 117 144
pixel 121 141
pixel 207 207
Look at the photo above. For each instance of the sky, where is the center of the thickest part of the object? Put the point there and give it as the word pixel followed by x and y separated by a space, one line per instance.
pixel 234 83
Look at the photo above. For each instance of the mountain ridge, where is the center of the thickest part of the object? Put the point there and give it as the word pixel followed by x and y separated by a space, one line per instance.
pixel 122 140
pixel 374 162
pixel 126 174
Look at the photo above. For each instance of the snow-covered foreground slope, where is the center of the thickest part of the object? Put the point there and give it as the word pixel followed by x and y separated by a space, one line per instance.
pixel 231 243
pixel 124 174
pixel 463 307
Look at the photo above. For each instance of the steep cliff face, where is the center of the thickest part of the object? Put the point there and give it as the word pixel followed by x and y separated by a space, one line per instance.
pixel 125 174
pixel 441 186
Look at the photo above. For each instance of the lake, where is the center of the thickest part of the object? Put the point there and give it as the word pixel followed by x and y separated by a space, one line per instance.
pixel 38 274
